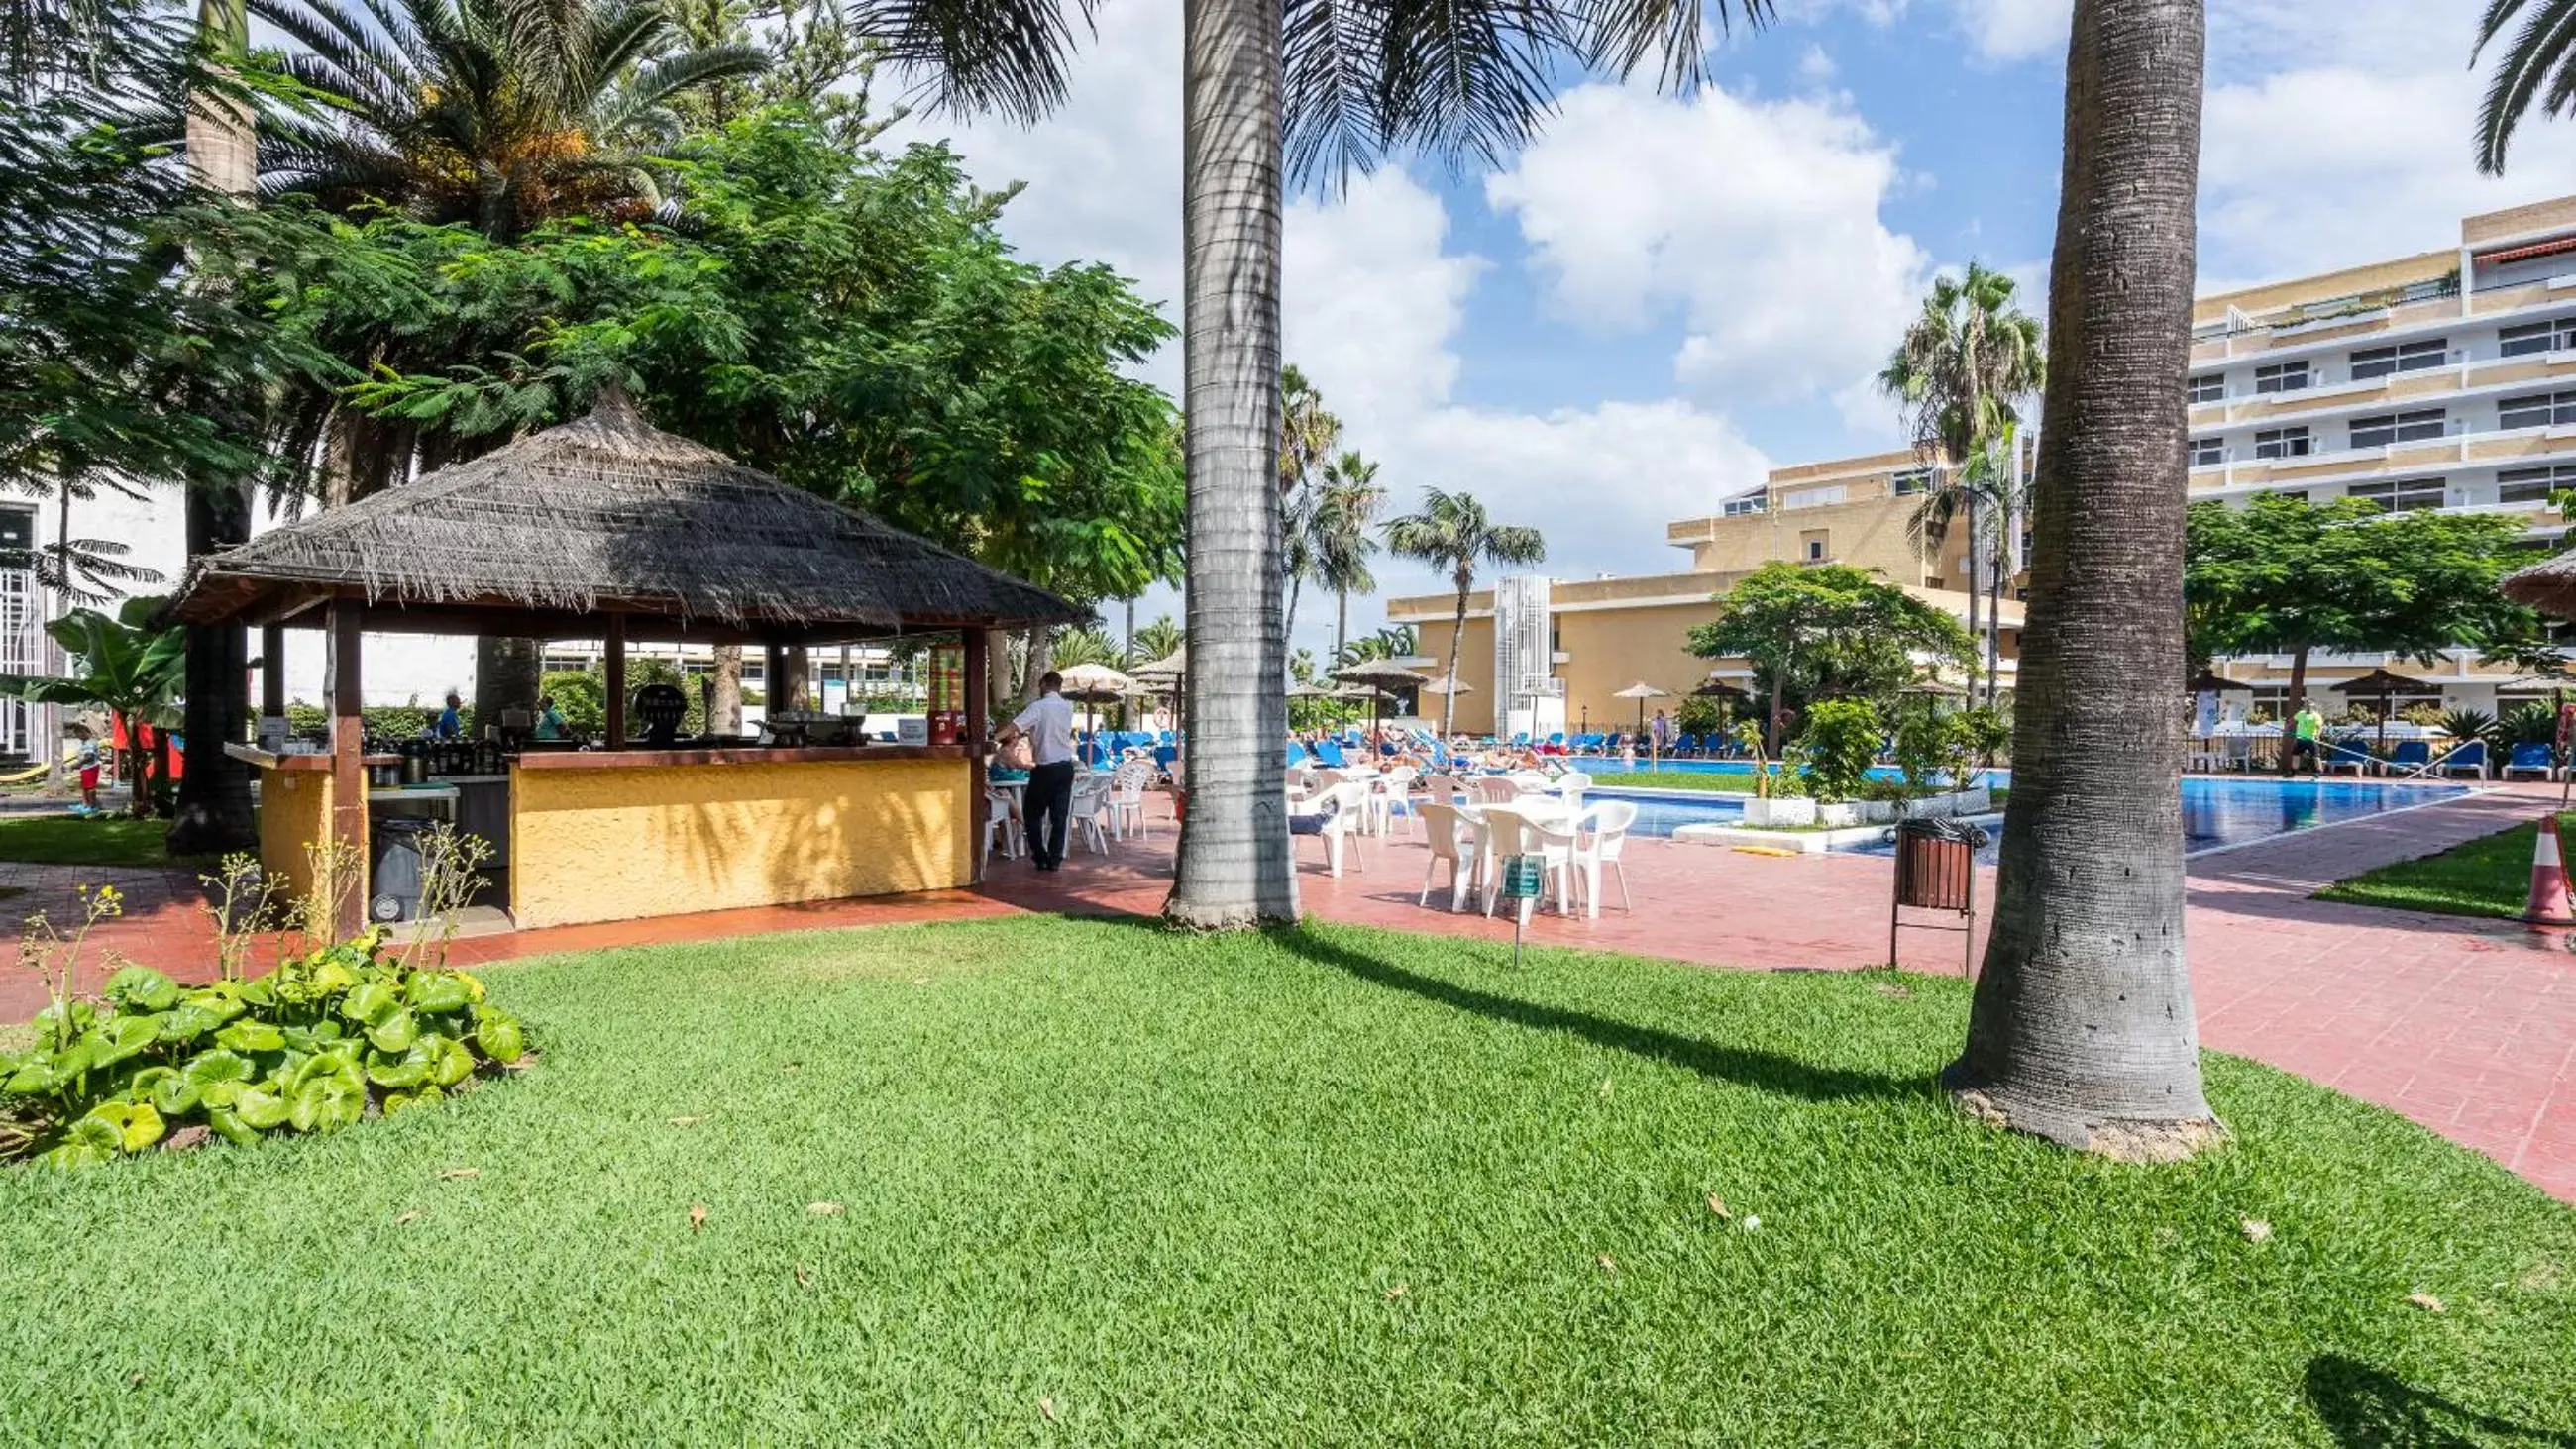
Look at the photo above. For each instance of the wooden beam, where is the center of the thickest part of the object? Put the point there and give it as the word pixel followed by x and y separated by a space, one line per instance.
pixel 974 742
pixel 272 670
pixel 616 635
pixel 348 776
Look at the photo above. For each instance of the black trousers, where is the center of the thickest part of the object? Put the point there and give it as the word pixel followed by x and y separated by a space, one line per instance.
pixel 1048 811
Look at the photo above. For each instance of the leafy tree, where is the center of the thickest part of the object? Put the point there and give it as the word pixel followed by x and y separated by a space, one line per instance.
pixel 122 664
pixel 1828 631
pixel 1268 96
pixel 1454 532
pixel 2283 576
pixel 2537 69
pixel 1837 747
pixel 1962 371
pixel 2082 1027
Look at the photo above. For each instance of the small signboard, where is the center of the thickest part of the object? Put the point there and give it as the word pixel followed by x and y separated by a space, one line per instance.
pixel 1523 878
pixel 912 729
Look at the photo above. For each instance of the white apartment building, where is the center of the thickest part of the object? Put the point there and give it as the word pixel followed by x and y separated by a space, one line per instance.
pixel 2445 380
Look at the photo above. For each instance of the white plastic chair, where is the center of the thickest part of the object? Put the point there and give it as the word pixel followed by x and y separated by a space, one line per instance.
pixel 1570 786
pixel 1393 796
pixel 1456 841
pixel 1604 833
pixel 999 825
pixel 1090 804
pixel 1493 790
pixel 1127 799
pixel 1347 820
pixel 1508 833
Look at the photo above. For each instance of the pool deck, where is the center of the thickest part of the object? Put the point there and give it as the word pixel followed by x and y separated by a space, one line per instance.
pixel 2465 1025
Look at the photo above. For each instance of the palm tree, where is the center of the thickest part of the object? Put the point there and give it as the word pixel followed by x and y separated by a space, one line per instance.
pixel 1328 88
pixel 1082 644
pixel 1395 641
pixel 122 664
pixel 1155 641
pixel 1453 532
pixel 2538 68
pixel 2082 1027
pixel 1960 373
pixel 486 112
pixel 1307 432
pixel 1339 535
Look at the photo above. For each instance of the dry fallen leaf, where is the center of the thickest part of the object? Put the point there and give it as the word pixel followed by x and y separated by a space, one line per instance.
pixel 804 1279
pixel 1890 989
pixel 823 1209
pixel 406 1219
pixel 450 1174
pixel 689 1121
pixel 697 1217
pixel 1604 1260
pixel 1718 1206
pixel 1396 1292
pixel 135 1382
pixel 791 1066
pixel 2425 1301
pixel 921 981
pixel 2255 1229
pixel 1047 1407
pixel 1605 1086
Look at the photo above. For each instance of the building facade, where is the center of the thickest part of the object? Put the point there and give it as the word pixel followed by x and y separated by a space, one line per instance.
pixel 2445 380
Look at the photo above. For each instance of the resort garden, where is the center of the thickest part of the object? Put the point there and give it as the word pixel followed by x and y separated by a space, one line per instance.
pixel 648 276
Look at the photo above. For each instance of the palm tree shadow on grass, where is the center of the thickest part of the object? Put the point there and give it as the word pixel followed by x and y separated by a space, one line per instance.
pixel 1745 1066
pixel 2361 1404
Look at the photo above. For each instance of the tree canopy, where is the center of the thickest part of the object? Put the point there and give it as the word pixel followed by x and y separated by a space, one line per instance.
pixel 1828 631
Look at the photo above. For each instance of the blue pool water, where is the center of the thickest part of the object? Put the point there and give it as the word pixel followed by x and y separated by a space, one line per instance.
pixel 2214 812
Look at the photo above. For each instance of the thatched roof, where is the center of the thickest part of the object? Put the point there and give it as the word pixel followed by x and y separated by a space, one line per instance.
pixel 2549 587
pixel 606 514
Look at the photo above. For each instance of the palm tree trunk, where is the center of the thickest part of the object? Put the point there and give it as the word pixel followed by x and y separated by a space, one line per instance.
pixel 724 711
pixel 2082 1029
pixel 1234 866
pixel 1995 624
pixel 1341 625
pixel 214 812
pixel 1457 636
pixel 1976 546
pixel 1288 621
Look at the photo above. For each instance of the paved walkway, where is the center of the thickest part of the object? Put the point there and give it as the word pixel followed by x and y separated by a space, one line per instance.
pixel 2466 1026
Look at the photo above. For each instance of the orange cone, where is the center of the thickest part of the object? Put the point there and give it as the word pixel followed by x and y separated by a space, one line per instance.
pixel 2549 904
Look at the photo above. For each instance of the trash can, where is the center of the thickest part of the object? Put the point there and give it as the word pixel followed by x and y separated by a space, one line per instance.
pixel 1936 871
pixel 394 892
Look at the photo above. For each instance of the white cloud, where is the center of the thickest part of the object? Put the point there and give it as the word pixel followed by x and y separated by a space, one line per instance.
pixel 1757 221
pixel 2010 30
pixel 1369 300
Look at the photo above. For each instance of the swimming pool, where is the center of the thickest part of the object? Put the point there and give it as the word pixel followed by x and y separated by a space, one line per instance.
pixel 2215 813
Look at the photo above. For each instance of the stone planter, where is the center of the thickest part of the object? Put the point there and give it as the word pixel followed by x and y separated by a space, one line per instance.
pixel 1778 811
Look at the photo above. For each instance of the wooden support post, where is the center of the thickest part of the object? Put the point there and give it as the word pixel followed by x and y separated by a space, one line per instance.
pixel 616 681
pixel 977 805
pixel 348 777
pixel 773 678
pixel 272 671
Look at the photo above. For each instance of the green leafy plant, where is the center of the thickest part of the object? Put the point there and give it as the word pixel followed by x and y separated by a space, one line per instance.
pixel 1748 736
pixel 123 664
pixel 2465 725
pixel 313 1046
pixel 1698 714
pixel 2529 723
pixel 1838 746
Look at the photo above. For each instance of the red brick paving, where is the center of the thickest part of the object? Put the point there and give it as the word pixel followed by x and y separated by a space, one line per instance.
pixel 2466 1026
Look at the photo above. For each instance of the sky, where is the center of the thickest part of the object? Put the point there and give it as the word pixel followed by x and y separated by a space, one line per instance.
pixel 1662 297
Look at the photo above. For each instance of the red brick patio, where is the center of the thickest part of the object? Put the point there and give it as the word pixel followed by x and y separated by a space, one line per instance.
pixel 2466 1026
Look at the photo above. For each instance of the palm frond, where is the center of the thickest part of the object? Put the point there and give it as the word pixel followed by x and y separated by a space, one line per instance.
pixel 1622 36
pixel 2537 57
pixel 1468 79
pixel 1331 126
pixel 656 84
pixel 1006 56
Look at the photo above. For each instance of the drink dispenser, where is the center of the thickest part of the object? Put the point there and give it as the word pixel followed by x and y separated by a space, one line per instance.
pixel 947 691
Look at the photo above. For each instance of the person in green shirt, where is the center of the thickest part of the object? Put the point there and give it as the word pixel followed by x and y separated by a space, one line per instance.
pixel 550 720
pixel 2305 728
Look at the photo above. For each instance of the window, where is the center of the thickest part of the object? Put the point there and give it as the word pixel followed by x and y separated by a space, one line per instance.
pixel 1910 480
pixel 1815 497
pixel 2206 452
pixel 2371 362
pixel 2386 428
pixel 2538 410
pixel 1815 550
pixel 2401 496
pixel 2533 485
pixel 2557 335
pixel 1738 507
pixel 2281 443
pixel 2283 377
pixel 2209 387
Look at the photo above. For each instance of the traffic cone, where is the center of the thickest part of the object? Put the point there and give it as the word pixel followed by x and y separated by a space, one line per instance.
pixel 2549 904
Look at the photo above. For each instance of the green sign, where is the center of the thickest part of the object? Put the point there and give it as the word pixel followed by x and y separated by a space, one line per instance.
pixel 1524 877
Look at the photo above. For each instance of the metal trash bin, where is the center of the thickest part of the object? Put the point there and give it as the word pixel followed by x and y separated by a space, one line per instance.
pixel 1936 871
pixel 393 893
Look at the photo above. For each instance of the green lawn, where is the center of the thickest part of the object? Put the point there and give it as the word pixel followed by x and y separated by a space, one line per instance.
pixel 71 840
pixel 2489 876
pixel 1335 1186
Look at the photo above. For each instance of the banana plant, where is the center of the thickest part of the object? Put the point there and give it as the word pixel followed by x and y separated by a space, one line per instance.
pixel 123 664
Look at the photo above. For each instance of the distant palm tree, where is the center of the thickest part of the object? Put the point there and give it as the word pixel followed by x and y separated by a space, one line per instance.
pixel 1084 644
pixel 1307 432
pixel 2537 68
pixel 487 112
pixel 1961 373
pixel 2082 1027
pixel 1395 641
pixel 1453 532
pixel 1341 535
pixel 1272 89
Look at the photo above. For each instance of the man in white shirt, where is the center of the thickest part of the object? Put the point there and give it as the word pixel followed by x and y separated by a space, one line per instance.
pixel 1048 811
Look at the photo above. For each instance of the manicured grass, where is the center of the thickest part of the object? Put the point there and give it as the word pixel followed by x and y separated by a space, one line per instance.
pixel 1335 1186
pixel 1715 782
pixel 72 840
pixel 2489 876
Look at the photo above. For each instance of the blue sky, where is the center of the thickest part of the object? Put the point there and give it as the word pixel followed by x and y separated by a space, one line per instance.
pixel 1662 297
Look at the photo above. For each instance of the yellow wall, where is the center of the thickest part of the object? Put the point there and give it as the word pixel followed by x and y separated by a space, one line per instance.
pixel 614 844
pixel 1609 649
pixel 294 811
pixel 1475 712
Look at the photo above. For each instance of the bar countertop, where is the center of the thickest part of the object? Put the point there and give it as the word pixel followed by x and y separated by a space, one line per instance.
pixel 803 755
pixel 268 761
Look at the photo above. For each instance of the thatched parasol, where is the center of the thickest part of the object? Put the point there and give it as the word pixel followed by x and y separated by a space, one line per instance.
pixel 2549 587
pixel 607 515
pixel 1720 689
pixel 2384 684
pixel 1382 674
pixel 1166 671
pixel 1304 690
pixel 1447 684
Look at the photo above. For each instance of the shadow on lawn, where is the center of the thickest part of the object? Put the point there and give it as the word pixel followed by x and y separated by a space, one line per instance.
pixel 1763 1070
pixel 2361 1404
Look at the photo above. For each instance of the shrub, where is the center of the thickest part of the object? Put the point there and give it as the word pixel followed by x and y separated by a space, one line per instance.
pixel 1838 746
pixel 2529 723
pixel 2469 724
pixel 1698 714
pixel 314 1046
